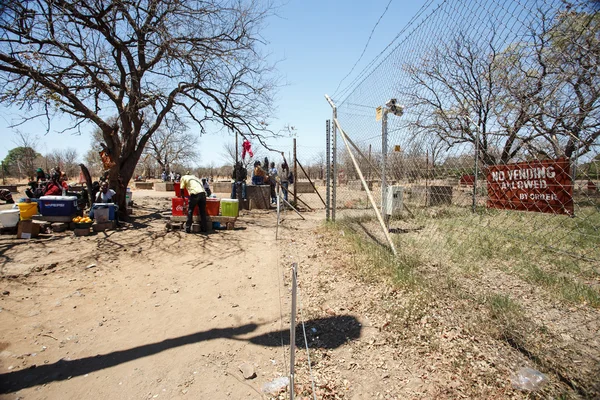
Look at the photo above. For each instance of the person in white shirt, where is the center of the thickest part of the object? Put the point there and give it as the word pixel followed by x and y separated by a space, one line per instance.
pixel 105 195
pixel 273 181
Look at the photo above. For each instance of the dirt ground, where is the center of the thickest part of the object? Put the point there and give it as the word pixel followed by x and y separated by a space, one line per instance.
pixel 142 313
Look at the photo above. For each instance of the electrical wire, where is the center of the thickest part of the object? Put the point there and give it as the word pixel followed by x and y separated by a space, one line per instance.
pixel 365 48
pixel 367 69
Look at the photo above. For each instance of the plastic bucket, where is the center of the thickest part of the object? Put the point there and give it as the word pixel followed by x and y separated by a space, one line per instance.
pixel 9 218
pixel 177 187
pixel 229 207
pixel 212 206
pixel 101 215
pixel 27 210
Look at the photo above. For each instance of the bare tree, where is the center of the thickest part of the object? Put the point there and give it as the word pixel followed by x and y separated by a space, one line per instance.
pixel 538 97
pixel 455 95
pixel 229 154
pixel 93 162
pixel 65 160
pixel 142 61
pixel 567 51
pixel 172 143
pixel 23 158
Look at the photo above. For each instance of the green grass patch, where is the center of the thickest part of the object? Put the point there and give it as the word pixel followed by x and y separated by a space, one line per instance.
pixel 502 307
pixel 374 261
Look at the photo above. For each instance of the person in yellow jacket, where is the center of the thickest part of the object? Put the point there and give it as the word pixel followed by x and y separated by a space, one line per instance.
pixel 197 198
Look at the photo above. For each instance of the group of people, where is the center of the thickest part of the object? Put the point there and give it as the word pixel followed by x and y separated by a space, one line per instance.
pixel 54 184
pixel 170 176
pixel 269 176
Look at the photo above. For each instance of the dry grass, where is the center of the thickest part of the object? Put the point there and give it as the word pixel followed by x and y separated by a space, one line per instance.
pixel 517 296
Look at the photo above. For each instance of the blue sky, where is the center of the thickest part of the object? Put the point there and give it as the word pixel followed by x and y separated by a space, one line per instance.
pixel 316 43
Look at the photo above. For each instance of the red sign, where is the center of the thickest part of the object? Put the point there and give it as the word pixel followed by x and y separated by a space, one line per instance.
pixel 542 186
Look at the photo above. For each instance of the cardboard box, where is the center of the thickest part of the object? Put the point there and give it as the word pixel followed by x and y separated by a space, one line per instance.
pixel 28 229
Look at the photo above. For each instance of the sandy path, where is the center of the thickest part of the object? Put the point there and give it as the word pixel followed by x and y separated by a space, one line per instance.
pixel 160 316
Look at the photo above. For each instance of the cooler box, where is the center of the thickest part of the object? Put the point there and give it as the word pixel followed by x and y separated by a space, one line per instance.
pixel 128 197
pixel 179 207
pixel 229 207
pixel 177 187
pixel 57 206
pixel 111 210
pixel 27 210
pixel 212 206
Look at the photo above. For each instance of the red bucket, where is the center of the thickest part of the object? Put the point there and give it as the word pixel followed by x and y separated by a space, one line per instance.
pixel 177 187
pixel 212 206
pixel 179 207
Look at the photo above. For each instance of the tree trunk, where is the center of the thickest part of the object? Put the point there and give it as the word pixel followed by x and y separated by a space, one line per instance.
pixel 119 177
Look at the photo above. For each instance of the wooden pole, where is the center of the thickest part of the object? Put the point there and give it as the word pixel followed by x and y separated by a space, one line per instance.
pixel 295 173
pixel 371 199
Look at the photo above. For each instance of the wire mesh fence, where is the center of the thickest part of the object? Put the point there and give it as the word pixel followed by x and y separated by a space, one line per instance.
pixel 476 133
pixel 493 134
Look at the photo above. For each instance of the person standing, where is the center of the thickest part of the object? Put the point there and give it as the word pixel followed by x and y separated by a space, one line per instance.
pixel 206 186
pixel 273 182
pixel 239 177
pixel 259 175
pixel 285 183
pixel 197 198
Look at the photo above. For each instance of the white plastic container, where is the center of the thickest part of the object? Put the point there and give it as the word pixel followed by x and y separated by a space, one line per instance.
pixel 9 218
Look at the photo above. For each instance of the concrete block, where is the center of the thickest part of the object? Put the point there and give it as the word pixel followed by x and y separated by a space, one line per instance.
pixel 259 196
pixel 432 195
pixel 82 232
pixel 303 187
pixel 221 187
pixel 101 227
pixel 145 185
pixel 164 187
pixel 59 226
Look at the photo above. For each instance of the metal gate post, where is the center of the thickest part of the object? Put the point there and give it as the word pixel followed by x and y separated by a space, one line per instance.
pixel 384 151
pixel 335 173
pixel 328 173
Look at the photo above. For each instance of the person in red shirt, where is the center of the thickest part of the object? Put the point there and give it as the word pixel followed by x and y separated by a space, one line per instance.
pixel 54 187
pixel 63 181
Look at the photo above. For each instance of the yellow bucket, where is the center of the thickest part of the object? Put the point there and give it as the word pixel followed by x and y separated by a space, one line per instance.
pixel 27 210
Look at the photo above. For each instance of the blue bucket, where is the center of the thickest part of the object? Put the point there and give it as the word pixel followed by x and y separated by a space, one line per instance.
pixel 216 225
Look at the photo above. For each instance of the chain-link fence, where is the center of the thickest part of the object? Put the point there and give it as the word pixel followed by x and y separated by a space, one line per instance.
pixel 475 136
pixel 495 124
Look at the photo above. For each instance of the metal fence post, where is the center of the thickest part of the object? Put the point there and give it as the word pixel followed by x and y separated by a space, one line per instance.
pixel 328 173
pixel 384 151
pixel 334 159
pixel 293 331
pixel 295 176
pixel 476 169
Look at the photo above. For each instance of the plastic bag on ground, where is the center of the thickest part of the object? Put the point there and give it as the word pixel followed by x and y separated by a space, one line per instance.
pixel 276 385
pixel 528 379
